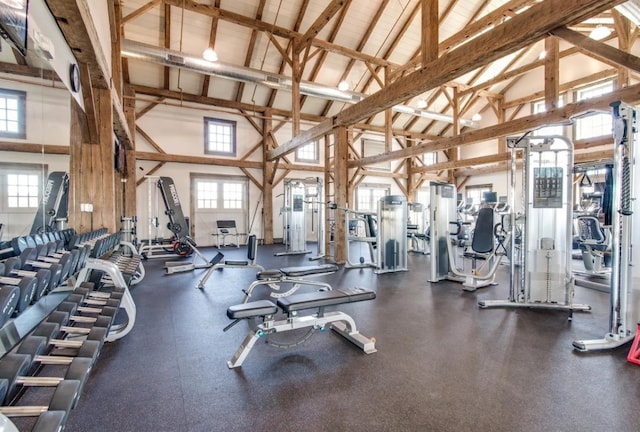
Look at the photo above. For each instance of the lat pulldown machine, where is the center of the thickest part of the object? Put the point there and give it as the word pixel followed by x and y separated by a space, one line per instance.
pixel 183 245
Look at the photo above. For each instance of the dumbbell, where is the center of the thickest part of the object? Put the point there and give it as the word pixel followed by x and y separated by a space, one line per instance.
pixel 27 286
pixel 61 340
pixel 9 297
pixel 67 260
pixel 50 418
pixel 15 367
pixel 39 348
pixel 59 270
pixel 67 322
pixel 12 268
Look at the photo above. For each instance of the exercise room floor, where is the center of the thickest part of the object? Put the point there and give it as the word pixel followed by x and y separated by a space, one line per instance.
pixel 442 363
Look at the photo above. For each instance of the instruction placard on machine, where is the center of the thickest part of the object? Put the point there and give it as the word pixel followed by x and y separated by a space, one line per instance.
pixel 547 187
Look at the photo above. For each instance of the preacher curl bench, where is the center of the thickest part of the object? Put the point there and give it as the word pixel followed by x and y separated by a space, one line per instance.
pixel 340 322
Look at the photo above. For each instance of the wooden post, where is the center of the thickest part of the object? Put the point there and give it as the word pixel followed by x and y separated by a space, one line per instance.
pixel 551 72
pixel 267 176
pixel 129 185
pixel 341 176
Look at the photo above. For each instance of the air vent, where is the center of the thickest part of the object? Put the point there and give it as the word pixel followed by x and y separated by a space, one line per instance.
pixel 175 59
pixel 356 98
pixel 273 79
pixel 418 112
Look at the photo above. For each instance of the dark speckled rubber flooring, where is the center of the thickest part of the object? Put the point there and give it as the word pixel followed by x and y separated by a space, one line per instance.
pixel 442 363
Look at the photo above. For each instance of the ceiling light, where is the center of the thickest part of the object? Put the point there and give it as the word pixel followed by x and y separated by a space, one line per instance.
pixel 210 55
pixel 421 104
pixel 476 117
pixel 600 32
pixel 542 55
pixel 343 86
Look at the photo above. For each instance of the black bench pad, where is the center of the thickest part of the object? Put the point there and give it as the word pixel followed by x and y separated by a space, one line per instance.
pixel 269 274
pixel 236 263
pixel 318 299
pixel 252 309
pixel 309 270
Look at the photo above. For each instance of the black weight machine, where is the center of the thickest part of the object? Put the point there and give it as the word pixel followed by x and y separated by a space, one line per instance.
pixel 53 209
pixel 183 245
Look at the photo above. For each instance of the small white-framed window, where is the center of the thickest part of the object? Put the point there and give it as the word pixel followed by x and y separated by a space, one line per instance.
pixel 220 137
pixel 220 194
pixel 12 114
pixel 598 124
pixel 308 153
pixel 558 129
pixel 368 195
pixel 430 158
pixel 23 190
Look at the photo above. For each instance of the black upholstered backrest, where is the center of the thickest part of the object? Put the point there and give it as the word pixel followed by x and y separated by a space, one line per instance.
pixel 483 233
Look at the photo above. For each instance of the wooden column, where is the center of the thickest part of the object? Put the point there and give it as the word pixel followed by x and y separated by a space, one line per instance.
pixel 341 176
pixel 296 76
pixel 410 166
pixel 92 170
pixel 551 72
pixel 268 174
pixel 454 153
pixel 129 185
pixel 430 28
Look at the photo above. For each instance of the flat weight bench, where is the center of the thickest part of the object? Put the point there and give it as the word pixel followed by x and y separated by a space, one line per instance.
pixel 291 275
pixel 339 322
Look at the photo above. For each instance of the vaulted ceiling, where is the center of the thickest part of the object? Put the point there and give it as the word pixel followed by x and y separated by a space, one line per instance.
pixel 366 43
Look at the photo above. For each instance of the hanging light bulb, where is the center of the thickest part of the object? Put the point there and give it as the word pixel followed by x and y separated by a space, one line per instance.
pixel 476 117
pixel 210 55
pixel 343 85
pixel 421 104
pixel 600 32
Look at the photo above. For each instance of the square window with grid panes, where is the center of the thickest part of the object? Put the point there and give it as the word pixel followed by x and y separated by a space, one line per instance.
pixel 368 197
pixel 597 124
pixel 308 153
pixel 23 190
pixel 12 114
pixel 220 137
pixel 207 195
pixel 233 195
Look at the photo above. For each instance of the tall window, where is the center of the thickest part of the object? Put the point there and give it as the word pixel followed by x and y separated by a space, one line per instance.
pixel 368 195
pixel 219 137
pixel 308 153
pixel 22 190
pixel 593 125
pixel 12 114
pixel 539 107
pixel 220 194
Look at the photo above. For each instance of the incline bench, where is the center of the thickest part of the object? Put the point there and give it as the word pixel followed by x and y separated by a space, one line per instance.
pixel 340 322
pixel 227 228
pixel 291 275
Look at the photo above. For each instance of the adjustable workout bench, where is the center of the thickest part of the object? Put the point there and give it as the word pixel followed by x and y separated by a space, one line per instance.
pixel 340 322
pixel 219 263
pixel 292 275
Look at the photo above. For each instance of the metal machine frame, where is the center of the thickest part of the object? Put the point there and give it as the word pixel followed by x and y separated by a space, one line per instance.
pixel 625 275
pixel 544 278
pixel 294 218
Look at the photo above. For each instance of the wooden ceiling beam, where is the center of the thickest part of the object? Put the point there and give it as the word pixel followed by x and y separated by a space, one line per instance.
pixel 244 21
pixel 600 49
pixel 630 95
pixel 526 28
pixel 304 41
pixel 141 10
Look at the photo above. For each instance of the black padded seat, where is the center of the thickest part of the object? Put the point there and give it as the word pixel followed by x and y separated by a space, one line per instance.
pixel 319 299
pixel 251 309
pixel 309 270
pixel 269 274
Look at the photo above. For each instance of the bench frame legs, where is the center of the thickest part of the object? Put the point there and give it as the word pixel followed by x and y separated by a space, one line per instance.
pixel 339 322
pixel 274 284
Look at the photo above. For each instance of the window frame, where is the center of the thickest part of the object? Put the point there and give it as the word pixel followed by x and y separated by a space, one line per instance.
pixel 316 152
pixel 370 187
pixel 21 97
pixel 578 122
pixel 209 121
